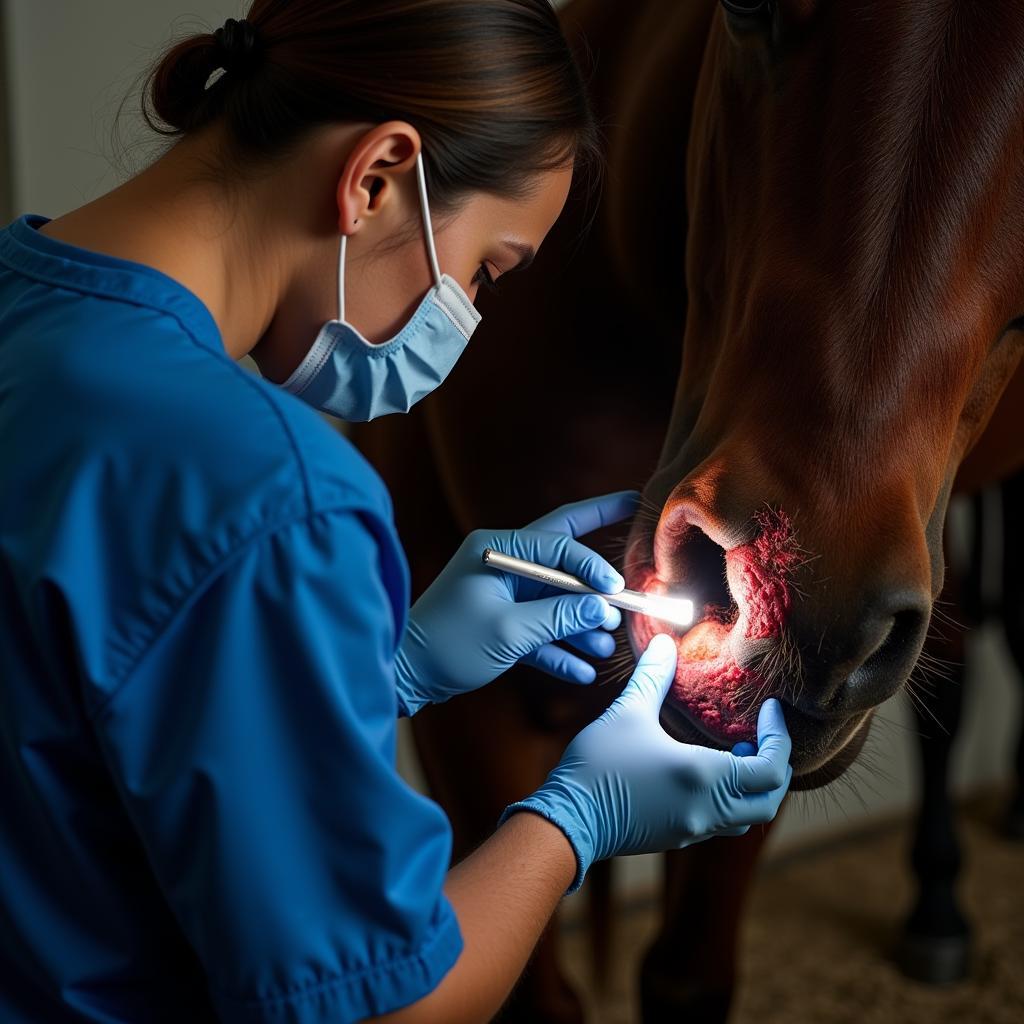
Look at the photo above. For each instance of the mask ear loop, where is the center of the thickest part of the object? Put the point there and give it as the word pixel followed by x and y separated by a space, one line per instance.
pixel 428 231
pixel 428 234
pixel 341 278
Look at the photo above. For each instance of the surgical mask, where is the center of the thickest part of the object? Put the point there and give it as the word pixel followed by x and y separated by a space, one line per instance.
pixel 348 376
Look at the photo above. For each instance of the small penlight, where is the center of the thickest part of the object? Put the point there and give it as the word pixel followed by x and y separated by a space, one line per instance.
pixel 677 610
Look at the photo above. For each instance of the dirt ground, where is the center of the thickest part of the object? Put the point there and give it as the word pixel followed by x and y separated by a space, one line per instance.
pixel 817 943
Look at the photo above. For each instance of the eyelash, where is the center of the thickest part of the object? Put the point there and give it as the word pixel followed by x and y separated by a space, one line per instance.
pixel 483 277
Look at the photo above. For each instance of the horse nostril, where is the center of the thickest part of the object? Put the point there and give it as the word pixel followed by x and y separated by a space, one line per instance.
pixel 700 571
pixel 902 632
pixel 894 642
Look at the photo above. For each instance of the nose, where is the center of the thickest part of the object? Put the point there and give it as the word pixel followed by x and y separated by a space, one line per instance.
pixel 858 663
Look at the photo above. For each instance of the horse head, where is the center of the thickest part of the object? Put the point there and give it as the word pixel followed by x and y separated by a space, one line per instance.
pixel 855 281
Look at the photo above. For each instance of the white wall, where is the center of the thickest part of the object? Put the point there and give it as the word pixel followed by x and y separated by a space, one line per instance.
pixel 70 64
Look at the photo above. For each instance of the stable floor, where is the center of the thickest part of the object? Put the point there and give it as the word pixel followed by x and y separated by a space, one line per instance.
pixel 817 941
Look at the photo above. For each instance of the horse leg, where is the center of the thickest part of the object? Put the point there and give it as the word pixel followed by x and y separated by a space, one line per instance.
pixel 689 971
pixel 1013 624
pixel 935 946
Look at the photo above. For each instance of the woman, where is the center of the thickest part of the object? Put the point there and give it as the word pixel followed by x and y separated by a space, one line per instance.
pixel 205 636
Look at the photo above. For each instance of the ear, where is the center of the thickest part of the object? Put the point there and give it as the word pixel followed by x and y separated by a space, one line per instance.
pixel 369 179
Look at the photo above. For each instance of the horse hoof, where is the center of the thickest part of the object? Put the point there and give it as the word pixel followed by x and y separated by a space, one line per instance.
pixel 669 999
pixel 935 959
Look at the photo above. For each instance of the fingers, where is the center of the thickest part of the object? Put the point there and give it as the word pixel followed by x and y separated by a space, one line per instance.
pixel 598 643
pixel 559 551
pixel 557 661
pixel 760 808
pixel 584 516
pixel 740 830
pixel 562 664
pixel 653 675
pixel 569 555
pixel 613 619
pixel 539 622
pixel 744 749
pixel 768 770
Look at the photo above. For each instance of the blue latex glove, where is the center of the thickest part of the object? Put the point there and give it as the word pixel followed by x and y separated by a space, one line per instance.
pixel 473 623
pixel 625 786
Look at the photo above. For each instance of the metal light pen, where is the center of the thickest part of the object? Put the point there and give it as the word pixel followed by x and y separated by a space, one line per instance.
pixel 677 610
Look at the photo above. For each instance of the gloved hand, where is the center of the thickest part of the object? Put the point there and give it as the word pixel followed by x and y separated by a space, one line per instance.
pixel 625 786
pixel 474 622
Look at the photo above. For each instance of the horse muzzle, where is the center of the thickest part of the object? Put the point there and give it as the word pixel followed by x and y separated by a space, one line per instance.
pixel 757 634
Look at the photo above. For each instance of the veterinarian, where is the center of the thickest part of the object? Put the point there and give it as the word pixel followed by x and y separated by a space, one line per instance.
pixel 205 637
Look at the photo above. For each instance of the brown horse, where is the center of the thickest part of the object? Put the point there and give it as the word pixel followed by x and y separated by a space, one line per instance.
pixel 817 282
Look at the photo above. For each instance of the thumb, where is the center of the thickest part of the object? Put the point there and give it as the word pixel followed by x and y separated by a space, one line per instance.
pixel 653 675
pixel 767 771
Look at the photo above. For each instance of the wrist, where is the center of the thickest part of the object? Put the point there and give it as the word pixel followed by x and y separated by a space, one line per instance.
pixel 411 698
pixel 544 845
pixel 558 804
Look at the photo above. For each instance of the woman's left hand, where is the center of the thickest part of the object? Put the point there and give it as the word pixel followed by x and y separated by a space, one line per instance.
pixel 474 622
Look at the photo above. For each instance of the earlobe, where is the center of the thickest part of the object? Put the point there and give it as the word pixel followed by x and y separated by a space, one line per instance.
pixel 348 207
pixel 353 196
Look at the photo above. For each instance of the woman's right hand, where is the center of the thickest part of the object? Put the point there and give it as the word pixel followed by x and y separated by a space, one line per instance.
pixel 625 786
pixel 472 624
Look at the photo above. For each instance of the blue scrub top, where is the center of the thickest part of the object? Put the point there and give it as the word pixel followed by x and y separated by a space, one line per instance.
pixel 201 591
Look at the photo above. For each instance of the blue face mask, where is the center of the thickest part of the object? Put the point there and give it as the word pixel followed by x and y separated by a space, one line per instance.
pixel 348 376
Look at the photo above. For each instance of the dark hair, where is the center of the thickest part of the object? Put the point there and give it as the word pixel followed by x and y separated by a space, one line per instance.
pixel 491 85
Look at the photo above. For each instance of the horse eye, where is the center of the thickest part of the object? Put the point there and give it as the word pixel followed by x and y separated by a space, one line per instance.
pixel 749 15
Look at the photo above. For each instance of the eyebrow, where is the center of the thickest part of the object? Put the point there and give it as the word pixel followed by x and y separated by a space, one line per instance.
pixel 526 254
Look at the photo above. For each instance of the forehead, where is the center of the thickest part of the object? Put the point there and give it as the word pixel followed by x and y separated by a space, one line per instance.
pixel 529 216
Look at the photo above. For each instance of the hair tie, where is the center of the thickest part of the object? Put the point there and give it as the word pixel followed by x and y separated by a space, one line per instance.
pixel 238 43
